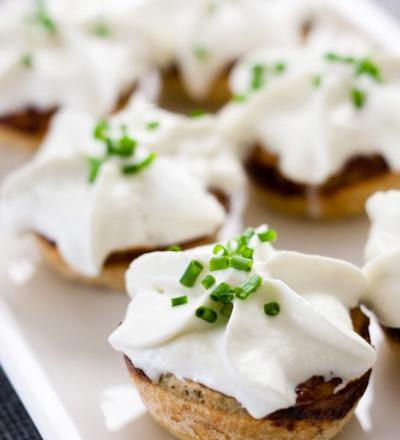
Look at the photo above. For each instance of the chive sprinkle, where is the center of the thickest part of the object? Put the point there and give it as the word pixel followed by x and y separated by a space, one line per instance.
pixel 174 248
pixel 125 146
pixel 100 130
pixel 191 273
pixel 247 252
pixel 43 19
pixel 197 113
pixel 179 301
pixel 134 168
pixel 208 281
pixel 239 98
pixel 95 164
pixel 248 287
pixel 27 60
pixel 257 79
pixel 219 263
pixel 280 68
pixel 226 310
pixel 267 236
pixel 365 66
pixel 332 56
pixel 241 263
pixel 222 293
pixel 206 314
pixel 358 98
pixel 316 80
pixel 220 249
pixel 152 125
pixel 201 53
pixel 272 308
pixel 101 30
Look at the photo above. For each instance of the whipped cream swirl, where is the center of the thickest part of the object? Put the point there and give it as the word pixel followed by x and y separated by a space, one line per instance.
pixel 168 202
pixel 382 254
pixel 256 358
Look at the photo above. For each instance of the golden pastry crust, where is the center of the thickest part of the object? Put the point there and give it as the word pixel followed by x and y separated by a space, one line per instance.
pixel 191 411
pixel 175 97
pixel 343 195
pixel 113 272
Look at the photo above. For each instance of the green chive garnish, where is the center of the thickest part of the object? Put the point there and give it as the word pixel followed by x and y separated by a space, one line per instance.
pixel 206 314
pixel 43 18
pixel 241 263
pixel 134 168
pixel 266 236
pixel 248 287
pixel 179 301
pixel 101 30
pixel 226 310
pixel 247 252
pixel 174 248
pixel 27 60
pixel 272 308
pixel 358 98
pixel 201 53
pixel 100 130
pixel 257 80
pixel 280 68
pixel 197 113
pixel 95 164
pixel 220 249
pixel 191 273
pixel 125 146
pixel 208 281
pixel 222 293
pixel 219 263
pixel 332 56
pixel 152 125
pixel 366 66
pixel 239 98
pixel 316 80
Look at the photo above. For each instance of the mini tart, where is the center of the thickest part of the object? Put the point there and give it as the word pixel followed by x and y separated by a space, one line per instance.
pixel 342 195
pixel 174 95
pixel 116 265
pixel 191 411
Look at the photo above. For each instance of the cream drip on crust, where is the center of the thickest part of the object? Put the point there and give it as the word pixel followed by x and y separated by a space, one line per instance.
pixel 93 202
pixel 315 110
pixel 262 351
pixel 382 254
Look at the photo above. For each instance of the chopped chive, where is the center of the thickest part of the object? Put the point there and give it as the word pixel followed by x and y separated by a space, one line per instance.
pixel 358 98
pixel 134 168
pixel 206 314
pixel 248 287
pixel 272 308
pixel 174 248
pixel 152 125
pixel 247 252
pixel 222 293
pixel 197 113
pixel 100 130
pixel 257 79
pixel 101 30
pixel 191 273
pixel 125 147
pixel 95 164
pixel 248 234
pixel 280 68
pixel 316 80
pixel 266 236
pixel 179 301
pixel 43 18
pixel 226 310
pixel 201 53
pixel 27 60
pixel 220 249
pixel 332 56
pixel 366 66
pixel 241 263
pixel 239 98
pixel 208 281
pixel 219 263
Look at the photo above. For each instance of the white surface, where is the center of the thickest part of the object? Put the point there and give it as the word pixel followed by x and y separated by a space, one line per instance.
pixel 53 338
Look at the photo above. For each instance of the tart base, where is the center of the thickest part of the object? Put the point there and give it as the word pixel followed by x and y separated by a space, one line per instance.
pixel 190 411
pixel 113 273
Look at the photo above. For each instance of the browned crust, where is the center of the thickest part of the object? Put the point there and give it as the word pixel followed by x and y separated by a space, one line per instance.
pixel 343 195
pixel 113 272
pixel 191 411
pixel 175 97
pixel 392 337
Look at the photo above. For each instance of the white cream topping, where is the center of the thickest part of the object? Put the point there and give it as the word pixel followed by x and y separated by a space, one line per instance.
pixel 72 67
pixel 315 128
pixel 382 254
pixel 257 359
pixel 167 203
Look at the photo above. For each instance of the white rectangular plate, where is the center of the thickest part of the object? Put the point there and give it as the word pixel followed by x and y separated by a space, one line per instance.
pixel 53 336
